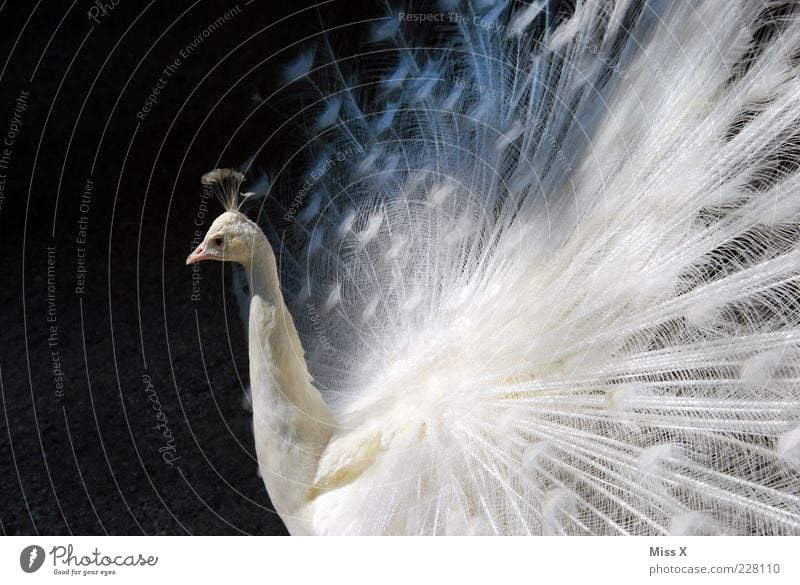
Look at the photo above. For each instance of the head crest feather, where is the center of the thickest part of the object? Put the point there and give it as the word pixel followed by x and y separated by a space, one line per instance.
pixel 225 183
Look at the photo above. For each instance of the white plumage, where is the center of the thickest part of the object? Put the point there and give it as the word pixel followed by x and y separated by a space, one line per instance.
pixel 546 277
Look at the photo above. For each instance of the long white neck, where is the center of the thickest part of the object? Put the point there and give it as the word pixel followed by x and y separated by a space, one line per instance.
pixel 291 422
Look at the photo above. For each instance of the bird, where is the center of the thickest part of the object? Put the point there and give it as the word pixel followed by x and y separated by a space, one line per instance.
pixel 540 274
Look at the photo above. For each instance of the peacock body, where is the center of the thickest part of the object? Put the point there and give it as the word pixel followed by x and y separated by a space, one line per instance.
pixel 545 273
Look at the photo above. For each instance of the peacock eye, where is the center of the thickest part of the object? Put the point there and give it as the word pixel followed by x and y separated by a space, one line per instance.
pixel 218 241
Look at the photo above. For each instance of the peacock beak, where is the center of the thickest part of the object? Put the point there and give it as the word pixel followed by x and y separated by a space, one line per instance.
pixel 199 254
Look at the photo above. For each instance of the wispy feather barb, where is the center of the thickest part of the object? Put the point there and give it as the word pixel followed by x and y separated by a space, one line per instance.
pixel 225 183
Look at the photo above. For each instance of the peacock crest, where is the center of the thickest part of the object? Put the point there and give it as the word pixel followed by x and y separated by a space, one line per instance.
pixel 225 184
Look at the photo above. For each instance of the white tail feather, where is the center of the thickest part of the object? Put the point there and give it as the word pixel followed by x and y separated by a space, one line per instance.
pixel 560 280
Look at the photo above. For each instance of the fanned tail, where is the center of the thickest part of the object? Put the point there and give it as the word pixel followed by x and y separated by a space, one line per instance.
pixel 548 264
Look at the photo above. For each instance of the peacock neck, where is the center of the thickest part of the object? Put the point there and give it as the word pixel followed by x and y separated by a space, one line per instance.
pixel 291 422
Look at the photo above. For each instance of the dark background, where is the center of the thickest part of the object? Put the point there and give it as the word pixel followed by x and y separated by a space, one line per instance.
pixel 89 462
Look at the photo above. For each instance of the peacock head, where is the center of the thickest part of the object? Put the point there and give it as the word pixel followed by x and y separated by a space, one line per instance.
pixel 232 236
